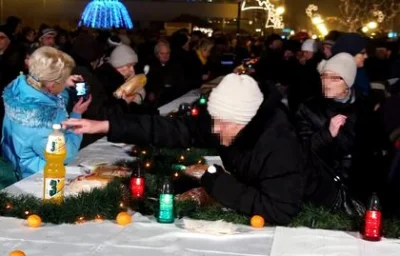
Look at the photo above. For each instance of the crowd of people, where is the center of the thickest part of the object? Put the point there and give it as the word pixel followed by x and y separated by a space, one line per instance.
pixel 315 122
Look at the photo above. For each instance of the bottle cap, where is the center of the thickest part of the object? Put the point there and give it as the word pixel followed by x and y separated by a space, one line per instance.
pixel 212 169
pixel 56 126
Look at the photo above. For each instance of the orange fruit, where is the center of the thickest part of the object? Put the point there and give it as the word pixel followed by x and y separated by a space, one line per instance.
pixel 257 221
pixel 34 221
pixel 17 253
pixel 123 218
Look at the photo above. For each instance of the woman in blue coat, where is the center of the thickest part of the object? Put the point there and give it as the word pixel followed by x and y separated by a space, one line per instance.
pixel 33 103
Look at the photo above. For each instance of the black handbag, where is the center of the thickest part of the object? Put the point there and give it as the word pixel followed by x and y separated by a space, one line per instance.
pixel 344 201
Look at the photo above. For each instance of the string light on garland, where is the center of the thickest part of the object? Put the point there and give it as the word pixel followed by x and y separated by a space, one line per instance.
pixel 98 218
pixel 8 206
pixel 194 112
pixel 106 14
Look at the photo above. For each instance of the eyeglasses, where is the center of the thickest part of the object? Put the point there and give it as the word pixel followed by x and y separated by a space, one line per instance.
pixel 331 78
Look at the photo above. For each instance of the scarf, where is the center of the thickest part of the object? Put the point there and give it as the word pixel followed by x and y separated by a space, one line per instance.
pixel 202 59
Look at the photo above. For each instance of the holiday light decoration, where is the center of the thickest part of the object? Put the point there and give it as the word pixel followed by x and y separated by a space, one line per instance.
pixel 316 19
pixel 106 14
pixel 274 15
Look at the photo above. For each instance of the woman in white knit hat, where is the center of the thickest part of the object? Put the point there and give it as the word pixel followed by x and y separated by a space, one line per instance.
pixel 337 129
pixel 255 140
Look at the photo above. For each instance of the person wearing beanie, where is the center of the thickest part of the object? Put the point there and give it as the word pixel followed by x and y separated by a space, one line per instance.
pixel 336 129
pixel 355 45
pixel 47 36
pixel 309 48
pixel 262 173
pixel 123 58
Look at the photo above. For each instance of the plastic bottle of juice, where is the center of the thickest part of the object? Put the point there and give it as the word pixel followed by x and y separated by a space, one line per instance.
pixel 54 170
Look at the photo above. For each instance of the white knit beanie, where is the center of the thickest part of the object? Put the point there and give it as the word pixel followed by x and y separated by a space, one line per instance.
pixel 309 46
pixel 343 64
pixel 236 99
pixel 123 55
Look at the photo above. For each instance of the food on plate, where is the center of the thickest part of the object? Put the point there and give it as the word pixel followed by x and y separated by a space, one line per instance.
pixel 196 170
pixel 99 178
pixel 199 195
pixel 86 183
pixel 112 171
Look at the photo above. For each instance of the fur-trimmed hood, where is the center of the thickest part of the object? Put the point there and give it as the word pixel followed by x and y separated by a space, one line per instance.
pixel 30 107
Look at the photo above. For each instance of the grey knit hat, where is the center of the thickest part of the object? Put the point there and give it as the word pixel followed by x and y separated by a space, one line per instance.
pixel 123 55
pixel 343 64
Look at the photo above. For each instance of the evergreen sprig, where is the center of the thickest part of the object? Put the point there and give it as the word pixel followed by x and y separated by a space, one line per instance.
pixel 115 197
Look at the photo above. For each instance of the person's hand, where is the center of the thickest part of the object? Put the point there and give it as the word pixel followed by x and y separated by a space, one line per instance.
pixel 85 126
pixel 335 124
pixel 136 97
pixel 72 80
pixel 81 106
pixel 196 171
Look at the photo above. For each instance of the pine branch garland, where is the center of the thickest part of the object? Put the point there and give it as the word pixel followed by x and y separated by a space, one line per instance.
pixel 109 201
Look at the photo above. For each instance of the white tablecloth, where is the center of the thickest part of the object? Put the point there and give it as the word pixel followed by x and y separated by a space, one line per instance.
pixel 146 237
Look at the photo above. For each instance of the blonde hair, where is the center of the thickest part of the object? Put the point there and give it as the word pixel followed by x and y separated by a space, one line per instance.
pixel 204 44
pixel 47 64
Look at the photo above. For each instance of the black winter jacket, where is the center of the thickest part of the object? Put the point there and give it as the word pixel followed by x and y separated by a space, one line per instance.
pixel 353 153
pixel 264 160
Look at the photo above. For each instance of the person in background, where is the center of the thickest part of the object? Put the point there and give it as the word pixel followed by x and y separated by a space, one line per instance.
pixel 327 48
pixel 15 25
pixel 339 131
pixel 309 49
pixel 63 42
pixel 198 72
pixel 306 83
pixel 35 102
pixel 11 59
pixel 107 79
pixel 385 64
pixel 355 45
pixel 268 68
pixel 165 80
pixel 46 37
pixel 180 48
pixel 28 36
pixel 261 155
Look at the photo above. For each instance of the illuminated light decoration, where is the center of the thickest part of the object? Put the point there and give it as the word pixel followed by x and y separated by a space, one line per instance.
pixel 106 14
pixel 274 15
pixel 207 31
pixel 317 19
pixel 372 25
pixel 194 112
pixel 380 16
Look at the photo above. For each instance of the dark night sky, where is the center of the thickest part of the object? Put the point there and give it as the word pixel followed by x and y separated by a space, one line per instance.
pixel 296 15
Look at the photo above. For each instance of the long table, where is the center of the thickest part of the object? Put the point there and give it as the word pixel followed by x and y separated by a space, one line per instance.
pixel 146 237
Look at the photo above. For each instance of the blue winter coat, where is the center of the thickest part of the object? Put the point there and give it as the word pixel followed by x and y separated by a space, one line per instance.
pixel 28 120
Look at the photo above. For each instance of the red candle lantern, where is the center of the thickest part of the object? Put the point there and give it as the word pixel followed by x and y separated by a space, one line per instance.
pixel 137 183
pixel 372 230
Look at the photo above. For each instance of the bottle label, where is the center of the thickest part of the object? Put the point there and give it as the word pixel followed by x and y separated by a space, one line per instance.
pixel 373 224
pixel 166 207
pixel 56 145
pixel 53 188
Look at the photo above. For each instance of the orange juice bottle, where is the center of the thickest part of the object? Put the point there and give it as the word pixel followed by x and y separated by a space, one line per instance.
pixel 54 170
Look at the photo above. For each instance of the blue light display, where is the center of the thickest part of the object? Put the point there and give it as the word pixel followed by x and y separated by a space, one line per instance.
pixel 105 14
